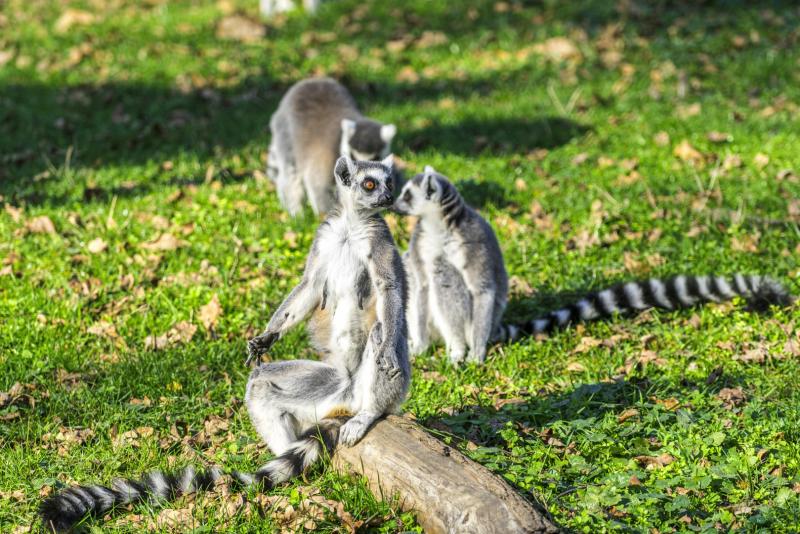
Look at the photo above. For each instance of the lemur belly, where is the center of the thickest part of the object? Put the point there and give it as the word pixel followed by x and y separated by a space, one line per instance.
pixel 438 245
pixel 340 329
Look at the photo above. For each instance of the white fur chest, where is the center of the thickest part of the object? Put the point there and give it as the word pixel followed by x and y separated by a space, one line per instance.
pixel 437 241
pixel 343 253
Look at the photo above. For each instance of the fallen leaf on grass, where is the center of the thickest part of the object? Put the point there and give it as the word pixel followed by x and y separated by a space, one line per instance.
pixel 746 243
pixel 575 367
pixel 731 397
pixel 757 354
pixel 96 246
pixel 164 242
pixel 586 343
pixel 653 462
pixel 239 28
pixel 627 414
pixel 719 137
pixel 180 333
pixel 72 17
pixel 210 313
pixel 14 213
pixel 661 138
pixel 558 49
pixel 686 152
pixel 669 404
pixel 41 225
pixel 761 160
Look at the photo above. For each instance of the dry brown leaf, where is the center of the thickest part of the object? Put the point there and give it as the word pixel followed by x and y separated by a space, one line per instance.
pixel 210 313
pixel 627 414
pixel 407 75
pixel 41 225
pixel 429 39
pixel 586 343
pixel 72 17
pixel 746 243
pixel 97 245
pixel 691 110
pixel 719 137
pixel 14 213
pixel 761 160
pixel 669 404
pixel 731 161
pixel 653 462
pixel 558 49
pixel 575 367
pixel 686 152
pixel 661 138
pixel 164 242
pixel 731 397
pixel 758 354
pixel 180 333
pixel 239 28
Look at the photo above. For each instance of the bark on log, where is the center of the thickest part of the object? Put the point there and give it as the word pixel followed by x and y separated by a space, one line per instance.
pixel 448 491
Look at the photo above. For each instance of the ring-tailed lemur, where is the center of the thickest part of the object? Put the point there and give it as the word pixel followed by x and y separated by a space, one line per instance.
pixel 317 121
pixel 354 284
pixel 457 279
pixel 458 285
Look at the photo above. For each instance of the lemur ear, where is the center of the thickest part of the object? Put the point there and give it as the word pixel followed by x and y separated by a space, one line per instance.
pixel 429 170
pixel 388 131
pixel 343 170
pixel 429 183
pixel 388 161
pixel 348 128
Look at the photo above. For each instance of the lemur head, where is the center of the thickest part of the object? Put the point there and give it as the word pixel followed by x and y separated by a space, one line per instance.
pixel 364 185
pixel 366 140
pixel 423 194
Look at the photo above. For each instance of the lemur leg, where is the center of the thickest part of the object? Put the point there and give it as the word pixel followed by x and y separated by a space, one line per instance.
pixel 451 308
pixel 481 325
pixel 318 185
pixel 290 189
pixel 377 385
pixel 288 397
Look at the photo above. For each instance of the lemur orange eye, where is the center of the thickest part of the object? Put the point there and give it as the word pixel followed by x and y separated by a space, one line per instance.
pixel 369 185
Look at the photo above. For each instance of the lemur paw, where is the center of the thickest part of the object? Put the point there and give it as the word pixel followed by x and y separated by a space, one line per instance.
pixel 259 345
pixel 352 432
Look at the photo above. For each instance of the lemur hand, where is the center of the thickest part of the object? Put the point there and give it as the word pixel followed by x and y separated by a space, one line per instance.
pixel 259 345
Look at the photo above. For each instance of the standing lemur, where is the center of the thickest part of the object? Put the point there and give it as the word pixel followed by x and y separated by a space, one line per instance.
pixel 458 284
pixel 317 121
pixel 355 287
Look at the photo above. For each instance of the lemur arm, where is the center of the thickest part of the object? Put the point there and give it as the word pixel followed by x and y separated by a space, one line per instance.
pixel 417 304
pixel 300 302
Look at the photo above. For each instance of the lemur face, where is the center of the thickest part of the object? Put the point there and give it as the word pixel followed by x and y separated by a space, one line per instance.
pixel 365 185
pixel 420 195
pixel 366 140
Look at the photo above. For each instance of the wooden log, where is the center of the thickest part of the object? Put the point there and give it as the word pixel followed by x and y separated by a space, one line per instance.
pixel 447 491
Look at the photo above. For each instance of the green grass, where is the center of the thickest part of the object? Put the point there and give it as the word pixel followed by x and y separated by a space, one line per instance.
pixel 143 122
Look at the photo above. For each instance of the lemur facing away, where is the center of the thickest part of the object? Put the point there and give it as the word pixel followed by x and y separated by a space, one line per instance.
pixel 317 121
pixel 458 284
pixel 355 286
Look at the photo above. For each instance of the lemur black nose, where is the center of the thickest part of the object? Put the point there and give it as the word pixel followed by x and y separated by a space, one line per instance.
pixel 386 200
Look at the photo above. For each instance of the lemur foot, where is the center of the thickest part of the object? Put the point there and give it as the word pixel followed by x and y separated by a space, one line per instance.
pixel 259 345
pixel 353 430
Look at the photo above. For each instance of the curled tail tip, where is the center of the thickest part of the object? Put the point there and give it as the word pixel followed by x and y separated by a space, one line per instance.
pixel 770 292
pixel 60 514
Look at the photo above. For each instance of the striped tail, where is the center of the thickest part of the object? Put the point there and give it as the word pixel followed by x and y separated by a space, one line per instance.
pixel 680 291
pixel 63 511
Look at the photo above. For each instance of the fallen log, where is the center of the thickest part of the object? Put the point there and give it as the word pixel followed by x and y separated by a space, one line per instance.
pixel 447 491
